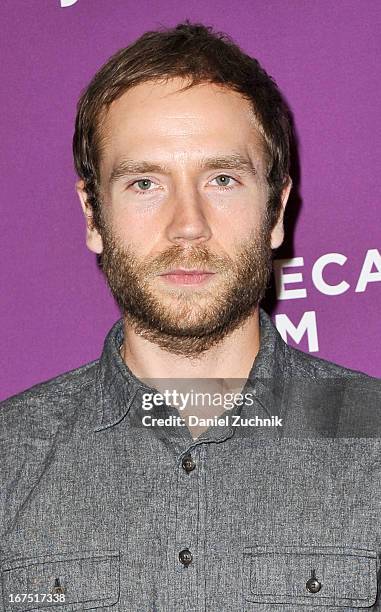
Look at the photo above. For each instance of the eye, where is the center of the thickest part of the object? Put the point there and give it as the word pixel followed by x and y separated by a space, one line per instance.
pixel 224 180
pixel 143 184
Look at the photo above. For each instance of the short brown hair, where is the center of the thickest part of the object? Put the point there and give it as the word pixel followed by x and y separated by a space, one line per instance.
pixel 197 53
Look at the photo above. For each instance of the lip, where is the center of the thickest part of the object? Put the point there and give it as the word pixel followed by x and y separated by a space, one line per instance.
pixel 186 271
pixel 182 276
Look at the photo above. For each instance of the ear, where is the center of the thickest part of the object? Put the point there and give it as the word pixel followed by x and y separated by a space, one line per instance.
pixel 93 238
pixel 277 234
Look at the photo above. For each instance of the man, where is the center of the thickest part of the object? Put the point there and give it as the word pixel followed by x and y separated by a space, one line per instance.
pixel 117 491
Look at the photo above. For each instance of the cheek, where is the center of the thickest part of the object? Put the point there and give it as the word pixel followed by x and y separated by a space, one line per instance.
pixel 234 227
pixel 127 225
pixel 138 235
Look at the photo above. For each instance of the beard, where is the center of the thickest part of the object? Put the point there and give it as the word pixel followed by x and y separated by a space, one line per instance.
pixel 188 321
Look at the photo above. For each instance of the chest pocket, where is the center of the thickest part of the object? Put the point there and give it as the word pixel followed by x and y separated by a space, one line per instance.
pixel 82 581
pixel 310 576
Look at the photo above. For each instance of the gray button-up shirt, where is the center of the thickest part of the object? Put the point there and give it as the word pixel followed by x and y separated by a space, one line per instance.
pixel 108 514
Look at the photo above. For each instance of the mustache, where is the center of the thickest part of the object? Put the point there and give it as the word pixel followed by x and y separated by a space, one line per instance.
pixel 196 257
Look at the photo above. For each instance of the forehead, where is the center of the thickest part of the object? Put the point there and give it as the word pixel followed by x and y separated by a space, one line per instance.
pixel 158 120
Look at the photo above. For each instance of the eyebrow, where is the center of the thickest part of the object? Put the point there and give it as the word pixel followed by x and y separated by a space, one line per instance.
pixel 234 161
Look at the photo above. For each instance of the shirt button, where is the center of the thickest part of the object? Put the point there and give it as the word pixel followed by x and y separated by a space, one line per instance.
pixel 57 589
pixel 313 585
pixel 185 557
pixel 188 464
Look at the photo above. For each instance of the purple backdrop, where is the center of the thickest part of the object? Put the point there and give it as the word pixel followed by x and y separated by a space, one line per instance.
pixel 325 56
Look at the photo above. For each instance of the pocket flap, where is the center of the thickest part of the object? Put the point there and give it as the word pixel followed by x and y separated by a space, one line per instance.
pixel 88 580
pixel 338 576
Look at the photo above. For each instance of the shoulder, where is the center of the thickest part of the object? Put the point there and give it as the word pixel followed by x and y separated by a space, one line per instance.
pixel 338 400
pixel 315 368
pixel 44 402
pixel 315 374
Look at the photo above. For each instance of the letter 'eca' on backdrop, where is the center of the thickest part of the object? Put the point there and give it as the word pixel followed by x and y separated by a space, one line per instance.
pixel 370 272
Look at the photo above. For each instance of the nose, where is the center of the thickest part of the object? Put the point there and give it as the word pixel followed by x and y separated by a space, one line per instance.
pixel 187 221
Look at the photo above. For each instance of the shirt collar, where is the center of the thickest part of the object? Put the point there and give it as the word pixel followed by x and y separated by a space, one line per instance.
pixel 117 386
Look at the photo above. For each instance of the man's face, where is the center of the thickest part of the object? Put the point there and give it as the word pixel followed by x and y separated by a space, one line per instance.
pixel 183 189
